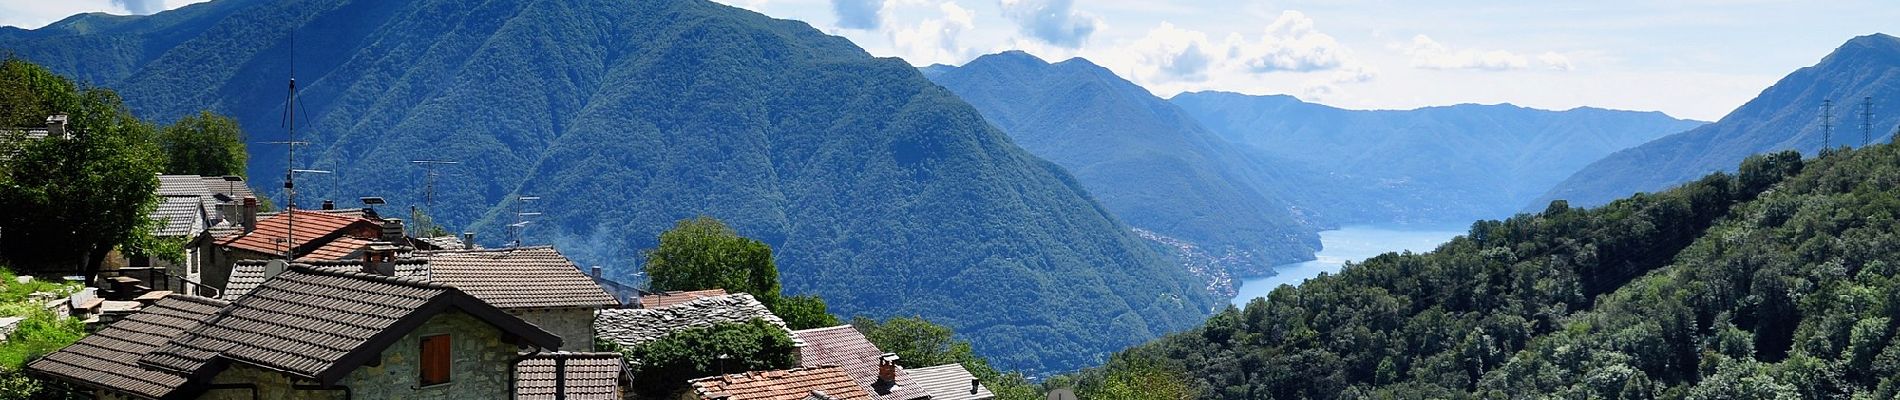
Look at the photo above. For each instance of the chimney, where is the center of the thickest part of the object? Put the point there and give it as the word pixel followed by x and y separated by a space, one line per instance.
pixel 274 267
pixel 380 259
pixel 56 126
pixel 596 272
pixel 329 205
pixel 468 240
pixel 392 230
pixel 248 217
pixel 887 369
pixel 973 385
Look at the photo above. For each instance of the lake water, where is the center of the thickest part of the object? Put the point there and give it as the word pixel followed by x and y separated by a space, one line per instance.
pixel 1351 243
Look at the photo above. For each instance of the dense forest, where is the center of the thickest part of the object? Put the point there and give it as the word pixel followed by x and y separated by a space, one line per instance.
pixel 1777 282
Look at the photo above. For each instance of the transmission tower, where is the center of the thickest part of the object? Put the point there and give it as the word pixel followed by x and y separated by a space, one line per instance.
pixel 1827 123
pixel 1867 121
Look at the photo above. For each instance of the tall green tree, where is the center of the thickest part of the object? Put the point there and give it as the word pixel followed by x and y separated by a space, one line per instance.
pixel 703 253
pixel 72 199
pixel 205 144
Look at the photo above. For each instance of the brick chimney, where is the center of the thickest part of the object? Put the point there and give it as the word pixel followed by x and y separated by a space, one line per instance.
pixel 248 216
pixel 887 369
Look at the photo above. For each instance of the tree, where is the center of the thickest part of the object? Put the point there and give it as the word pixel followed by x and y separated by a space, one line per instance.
pixel 703 253
pixel 917 342
pixel 1137 379
pixel 72 200
pixel 205 144
pixel 663 366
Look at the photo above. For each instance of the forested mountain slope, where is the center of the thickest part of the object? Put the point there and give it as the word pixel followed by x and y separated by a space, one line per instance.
pixel 1434 164
pixel 1142 157
pixel 1775 283
pixel 1786 116
pixel 882 192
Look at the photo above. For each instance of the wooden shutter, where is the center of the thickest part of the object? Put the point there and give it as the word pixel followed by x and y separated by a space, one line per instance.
pixel 435 360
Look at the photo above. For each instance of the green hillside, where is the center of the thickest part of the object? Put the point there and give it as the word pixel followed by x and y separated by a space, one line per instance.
pixel 1143 158
pixel 1774 283
pixel 880 191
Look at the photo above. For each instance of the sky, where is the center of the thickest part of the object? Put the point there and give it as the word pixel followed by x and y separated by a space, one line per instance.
pixel 1694 59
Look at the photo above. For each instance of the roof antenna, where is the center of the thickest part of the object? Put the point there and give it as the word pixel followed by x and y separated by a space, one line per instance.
pixel 290 164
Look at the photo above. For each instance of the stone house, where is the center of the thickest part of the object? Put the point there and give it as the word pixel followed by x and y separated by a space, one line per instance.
pixel 873 369
pixel 270 238
pixel 322 333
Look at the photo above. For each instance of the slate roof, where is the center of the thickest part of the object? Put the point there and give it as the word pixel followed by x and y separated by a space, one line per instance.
pixel 182 185
pixel 310 226
pixel 178 216
pixel 320 324
pixel 587 376
pixel 524 277
pixel 667 299
pixel 843 346
pixel 445 242
pixel 950 382
pixel 826 382
pixel 633 326
pixel 108 359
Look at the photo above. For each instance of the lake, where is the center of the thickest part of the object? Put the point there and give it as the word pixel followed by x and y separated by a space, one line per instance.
pixel 1351 243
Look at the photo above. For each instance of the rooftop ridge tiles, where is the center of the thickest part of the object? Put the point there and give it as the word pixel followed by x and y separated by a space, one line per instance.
pixel 405 281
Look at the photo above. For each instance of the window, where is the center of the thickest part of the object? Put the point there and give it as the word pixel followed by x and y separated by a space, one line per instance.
pixel 435 360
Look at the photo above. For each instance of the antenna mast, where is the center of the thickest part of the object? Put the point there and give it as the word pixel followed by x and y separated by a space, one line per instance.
pixel 1867 121
pixel 1827 123
pixel 428 191
pixel 290 163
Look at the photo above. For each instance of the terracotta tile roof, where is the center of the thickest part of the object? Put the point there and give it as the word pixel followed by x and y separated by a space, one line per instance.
pixel 311 226
pixel 526 277
pixel 320 324
pixel 826 382
pixel 950 382
pixel 108 359
pixel 587 376
pixel 341 248
pixel 666 299
pixel 634 326
pixel 843 346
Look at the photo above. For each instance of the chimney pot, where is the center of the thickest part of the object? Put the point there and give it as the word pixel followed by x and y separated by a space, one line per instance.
pixel 468 240
pixel 596 271
pixel 56 126
pixel 887 369
pixel 392 230
pixel 973 385
pixel 329 205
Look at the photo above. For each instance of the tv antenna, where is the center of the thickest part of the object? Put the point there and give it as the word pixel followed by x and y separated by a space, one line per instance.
pixel 1867 121
pixel 515 230
pixel 428 191
pixel 1827 123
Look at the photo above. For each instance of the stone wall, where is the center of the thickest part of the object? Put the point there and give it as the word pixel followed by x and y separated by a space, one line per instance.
pixel 479 371
pixel 575 325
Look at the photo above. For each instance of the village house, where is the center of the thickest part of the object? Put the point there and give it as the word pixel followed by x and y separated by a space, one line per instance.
pixel 950 382
pixel 873 369
pixel 326 333
pixel 537 284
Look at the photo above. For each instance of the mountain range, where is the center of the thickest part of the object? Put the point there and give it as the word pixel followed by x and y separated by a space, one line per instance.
pixel 1786 116
pixel 1430 165
pixel 1147 161
pixel 880 191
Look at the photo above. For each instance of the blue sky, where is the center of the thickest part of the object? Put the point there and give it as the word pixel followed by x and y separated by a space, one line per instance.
pixel 1690 58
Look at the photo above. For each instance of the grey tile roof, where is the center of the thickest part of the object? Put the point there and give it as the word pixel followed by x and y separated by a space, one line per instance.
pixel 446 242
pixel 182 185
pixel 216 185
pixel 843 346
pixel 178 216
pixel 629 327
pixel 246 275
pixel 108 359
pixel 320 324
pixel 526 277
pixel 577 376
pixel 950 382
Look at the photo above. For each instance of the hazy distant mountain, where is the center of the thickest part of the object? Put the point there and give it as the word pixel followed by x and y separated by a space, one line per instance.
pixel 1148 162
pixel 1785 116
pixel 1435 164
pixel 878 190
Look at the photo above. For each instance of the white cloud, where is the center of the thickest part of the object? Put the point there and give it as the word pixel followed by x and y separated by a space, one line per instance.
pixel 1291 43
pixel 1169 53
pixel 936 40
pixel 141 7
pixel 858 14
pixel 1053 21
pixel 1430 54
